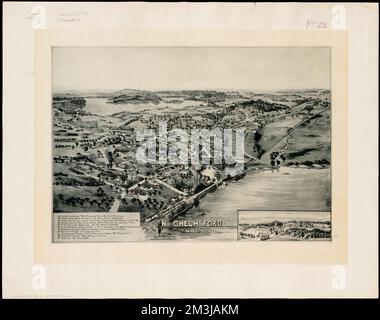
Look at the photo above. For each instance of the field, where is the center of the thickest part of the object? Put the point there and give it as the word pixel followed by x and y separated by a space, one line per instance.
pixel 311 141
pixel 276 130
pixel 87 198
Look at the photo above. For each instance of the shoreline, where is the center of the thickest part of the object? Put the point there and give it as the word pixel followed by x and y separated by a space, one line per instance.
pixel 215 186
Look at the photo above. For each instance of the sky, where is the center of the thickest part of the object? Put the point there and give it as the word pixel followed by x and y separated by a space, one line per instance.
pixel 261 69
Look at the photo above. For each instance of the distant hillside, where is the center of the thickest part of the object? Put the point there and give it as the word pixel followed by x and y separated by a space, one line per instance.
pixel 129 92
pixel 134 96
pixel 114 95
pixel 84 93
pixel 263 105
pixel 69 104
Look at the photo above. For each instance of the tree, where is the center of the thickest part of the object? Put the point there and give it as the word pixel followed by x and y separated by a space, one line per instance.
pixel 308 108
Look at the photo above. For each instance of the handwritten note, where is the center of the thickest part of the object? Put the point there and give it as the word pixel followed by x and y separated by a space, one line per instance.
pixel 314 24
pixel 71 16
pixel 37 17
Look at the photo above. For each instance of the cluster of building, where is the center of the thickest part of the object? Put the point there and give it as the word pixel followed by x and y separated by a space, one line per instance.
pixel 104 151
pixel 291 230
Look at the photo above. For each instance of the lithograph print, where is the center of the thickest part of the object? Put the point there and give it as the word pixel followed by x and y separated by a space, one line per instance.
pixel 192 141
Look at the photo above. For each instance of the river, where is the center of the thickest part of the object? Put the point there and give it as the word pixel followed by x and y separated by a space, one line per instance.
pixel 284 189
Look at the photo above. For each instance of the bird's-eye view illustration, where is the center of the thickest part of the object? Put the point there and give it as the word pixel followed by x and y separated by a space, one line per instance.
pixel 286 225
pixel 196 140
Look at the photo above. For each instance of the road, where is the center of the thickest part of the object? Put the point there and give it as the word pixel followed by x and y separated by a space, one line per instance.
pixel 189 200
pixel 253 159
pixel 170 187
pixel 294 128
